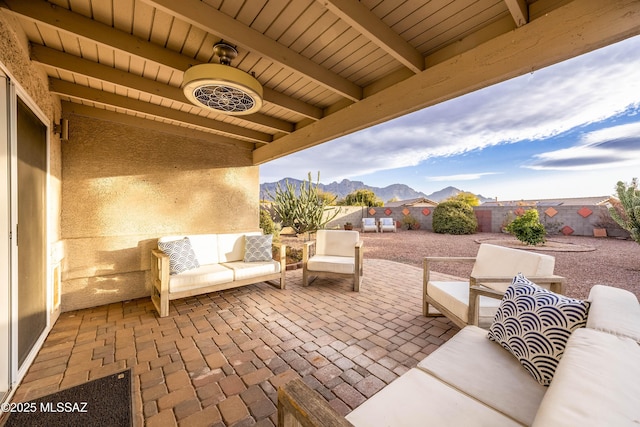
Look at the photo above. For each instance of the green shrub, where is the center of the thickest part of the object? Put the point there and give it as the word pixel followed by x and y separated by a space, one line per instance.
pixel 267 224
pixel 454 217
pixel 410 222
pixel 527 228
pixel 627 214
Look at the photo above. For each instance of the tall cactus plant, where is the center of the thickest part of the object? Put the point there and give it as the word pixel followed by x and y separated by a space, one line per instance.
pixel 629 216
pixel 304 212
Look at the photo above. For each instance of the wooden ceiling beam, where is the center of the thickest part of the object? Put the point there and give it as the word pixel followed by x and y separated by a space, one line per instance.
pixel 571 30
pixel 519 11
pixel 98 96
pixel 76 65
pixel 70 108
pixel 367 23
pixel 81 26
pixel 207 18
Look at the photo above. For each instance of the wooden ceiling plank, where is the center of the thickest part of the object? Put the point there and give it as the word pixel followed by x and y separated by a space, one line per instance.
pixel 566 32
pixel 165 126
pixel 213 21
pixel 97 71
pixel 95 95
pixel 123 16
pixel 519 11
pixel 363 20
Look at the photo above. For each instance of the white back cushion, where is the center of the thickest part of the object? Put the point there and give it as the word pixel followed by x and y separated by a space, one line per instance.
pixel 615 311
pixel 205 246
pixel 231 246
pixel 336 242
pixel 495 260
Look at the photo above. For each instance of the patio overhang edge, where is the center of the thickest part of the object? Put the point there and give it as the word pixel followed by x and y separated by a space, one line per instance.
pixel 569 31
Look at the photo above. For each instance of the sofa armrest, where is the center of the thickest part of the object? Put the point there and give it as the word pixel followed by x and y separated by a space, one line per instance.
pixel 282 248
pixel 428 261
pixel 299 405
pixel 160 281
pixel 306 250
pixel 556 283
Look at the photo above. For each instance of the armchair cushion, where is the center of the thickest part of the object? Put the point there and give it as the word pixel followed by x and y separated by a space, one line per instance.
pixel 534 324
pixel 455 296
pixel 336 242
pixel 370 222
pixel 181 255
pixel 335 264
pixel 258 248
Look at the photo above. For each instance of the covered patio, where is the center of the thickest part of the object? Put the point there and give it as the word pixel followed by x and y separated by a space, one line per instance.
pixel 219 358
pixel 103 153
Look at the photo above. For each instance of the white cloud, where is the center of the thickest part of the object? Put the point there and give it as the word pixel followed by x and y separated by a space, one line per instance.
pixel 617 146
pixel 461 177
pixel 581 91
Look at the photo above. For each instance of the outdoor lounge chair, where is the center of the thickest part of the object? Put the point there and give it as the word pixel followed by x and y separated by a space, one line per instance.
pixel 387 224
pixel 338 253
pixel 475 302
pixel 369 224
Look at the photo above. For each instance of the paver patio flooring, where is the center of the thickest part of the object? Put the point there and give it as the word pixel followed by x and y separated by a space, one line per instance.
pixel 219 358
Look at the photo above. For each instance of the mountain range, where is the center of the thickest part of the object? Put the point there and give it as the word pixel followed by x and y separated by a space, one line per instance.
pixel 344 187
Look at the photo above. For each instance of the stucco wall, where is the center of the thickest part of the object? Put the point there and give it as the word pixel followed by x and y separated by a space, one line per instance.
pixel 123 187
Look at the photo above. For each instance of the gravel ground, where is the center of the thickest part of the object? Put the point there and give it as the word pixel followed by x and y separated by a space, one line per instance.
pixel 608 261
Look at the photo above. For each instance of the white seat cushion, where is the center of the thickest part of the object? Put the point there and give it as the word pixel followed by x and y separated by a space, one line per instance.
pixel 248 270
pixel 335 264
pixel 210 274
pixel 455 297
pixel 482 369
pixel 596 384
pixel 418 399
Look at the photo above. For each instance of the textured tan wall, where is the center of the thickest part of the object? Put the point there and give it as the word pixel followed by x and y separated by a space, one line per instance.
pixel 123 187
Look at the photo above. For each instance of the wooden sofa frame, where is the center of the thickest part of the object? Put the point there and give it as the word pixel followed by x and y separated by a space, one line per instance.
pixel 160 295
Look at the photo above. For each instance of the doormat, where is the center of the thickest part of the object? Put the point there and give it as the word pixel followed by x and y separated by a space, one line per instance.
pixel 102 402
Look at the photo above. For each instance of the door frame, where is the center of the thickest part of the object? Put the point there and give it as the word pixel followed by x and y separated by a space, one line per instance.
pixel 8 228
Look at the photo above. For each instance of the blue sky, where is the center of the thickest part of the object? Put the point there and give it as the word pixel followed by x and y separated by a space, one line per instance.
pixel 569 130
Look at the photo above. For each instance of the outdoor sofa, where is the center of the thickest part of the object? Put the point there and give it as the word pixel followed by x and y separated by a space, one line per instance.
pixel 188 265
pixel 473 381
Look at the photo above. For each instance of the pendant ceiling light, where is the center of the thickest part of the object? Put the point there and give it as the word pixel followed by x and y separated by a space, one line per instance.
pixel 222 88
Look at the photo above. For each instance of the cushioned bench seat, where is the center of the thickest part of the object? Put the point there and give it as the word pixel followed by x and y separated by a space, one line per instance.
pixel 210 263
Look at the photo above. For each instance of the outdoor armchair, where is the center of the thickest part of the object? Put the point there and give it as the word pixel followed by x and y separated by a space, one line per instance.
pixel 476 300
pixel 369 224
pixel 387 224
pixel 338 253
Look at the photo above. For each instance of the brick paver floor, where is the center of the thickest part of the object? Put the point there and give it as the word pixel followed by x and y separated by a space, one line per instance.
pixel 219 358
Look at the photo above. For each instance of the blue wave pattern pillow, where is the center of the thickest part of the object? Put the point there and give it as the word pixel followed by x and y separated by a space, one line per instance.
pixel 181 255
pixel 534 324
pixel 258 248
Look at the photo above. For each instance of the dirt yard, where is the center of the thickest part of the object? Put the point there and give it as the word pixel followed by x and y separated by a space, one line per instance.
pixel 584 261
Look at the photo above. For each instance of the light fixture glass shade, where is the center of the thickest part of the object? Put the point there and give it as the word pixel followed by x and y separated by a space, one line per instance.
pixel 223 89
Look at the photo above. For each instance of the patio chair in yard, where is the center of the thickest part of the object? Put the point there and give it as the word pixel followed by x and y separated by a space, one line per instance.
pixel 369 224
pixel 475 301
pixel 338 253
pixel 387 224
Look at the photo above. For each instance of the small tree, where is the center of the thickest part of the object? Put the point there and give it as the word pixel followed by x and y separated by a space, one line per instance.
pixel 464 196
pixel 527 228
pixel 629 216
pixel 361 197
pixel 304 212
pixel 454 217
